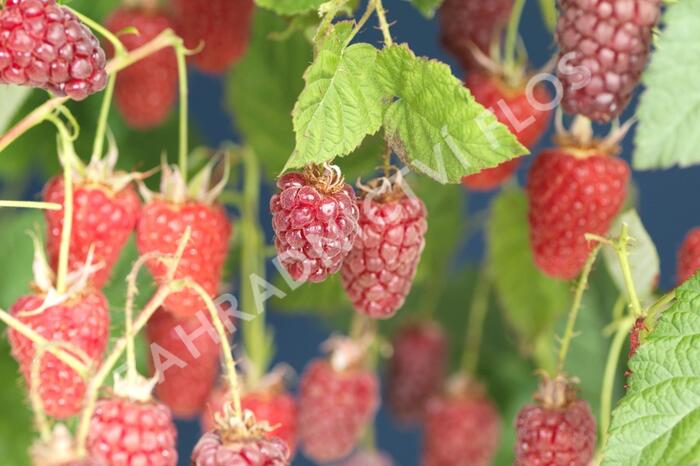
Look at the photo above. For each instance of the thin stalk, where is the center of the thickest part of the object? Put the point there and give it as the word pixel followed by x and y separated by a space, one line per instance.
pixel 67 154
pixel 383 23
pixel 575 307
pixel 119 48
pixel 182 74
pixel 619 308
pixel 549 13
pixel 621 250
pixel 475 324
pixel 31 205
pixel 40 419
pixel 511 42
pixel 101 131
pixel 661 303
pixel 362 21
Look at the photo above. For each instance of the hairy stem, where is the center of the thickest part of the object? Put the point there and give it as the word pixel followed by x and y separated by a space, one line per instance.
pixel 383 23
pixel 180 53
pixel 31 205
pixel 623 256
pixel 475 324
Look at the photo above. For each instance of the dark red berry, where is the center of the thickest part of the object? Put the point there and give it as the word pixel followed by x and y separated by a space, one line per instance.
pixel 416 369
pixel 572 192
pixel 465 24
pixel 462 428
pixel 315 221
pixel 43 44
pixel 214 449
pixel 335 407
pixel 378 273
pixel 689 256
pixel 146 90
pixel 604 46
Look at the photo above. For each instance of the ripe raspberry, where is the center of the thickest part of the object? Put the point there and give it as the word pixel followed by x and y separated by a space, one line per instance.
pixel 378 273
pixel 462 427
pixel 468 23
pixel 572 192
pixel 275 406
pixel 513 107
pixel 335 407
pixel 369 458
pixel 160 229
pixel 43 44
pixel 315 221
pixel 222 26
pixel 689 256
pixel 103 217
pixel 197 356
pixel 416 369
pixel 558 429
pixel 129 432
pixel 603 50
pixel 213 449
pixel 146 90
pixel 81 321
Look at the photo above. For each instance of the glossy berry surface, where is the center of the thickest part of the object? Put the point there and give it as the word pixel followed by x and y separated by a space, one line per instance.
pixel 43 44
pixel 277 408
pixel 315 228
pixel 378 273
pixel 146 90
pixel 571 195
pixel 130 432
pixel 197 354
pixel 335 407
pixel 604 46
pixel 102 219
pixel 688 256
pixel 554 436
pixel 468 23
pixel 526 114
pixel 211 450
pixel 221 26
pixel 81 322
pixel 416 369
pixel 461 430
pixel 160 229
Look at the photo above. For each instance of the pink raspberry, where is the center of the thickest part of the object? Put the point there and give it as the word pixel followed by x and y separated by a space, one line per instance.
pixel 215 449
pixel 315 221
pixel 369 458
pixel 43 44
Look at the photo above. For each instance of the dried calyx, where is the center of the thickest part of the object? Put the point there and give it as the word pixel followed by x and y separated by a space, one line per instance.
pixel 326 178
pixel 385 188
pixel 57 450
pixel 134 387
pixel 345 353
pixel 234 430
pixel 580 141
pixel 556 392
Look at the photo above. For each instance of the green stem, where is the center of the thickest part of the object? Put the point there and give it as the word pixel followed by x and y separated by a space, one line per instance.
pixel 101 131
pixel 549 13
pixel 119 48
pixel 362 21
pixel 31 205
pixel 475 324
pixel 182 74
pixel 619 308
pixel 575 307
pixel 622 254
pixel 383 23
pixel 511 42
pixel 660 304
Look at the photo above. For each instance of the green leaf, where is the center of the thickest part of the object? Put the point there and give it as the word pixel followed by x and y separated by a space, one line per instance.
pixel 643 257
pixel 263 88
pixel 290 7
pixel 435 125
pixel 531 301
pixel 327 297
pixel 658 420
pixel 427 7
pixel 12 98
pixel 340 104
pixel 16 430
pixel 669 109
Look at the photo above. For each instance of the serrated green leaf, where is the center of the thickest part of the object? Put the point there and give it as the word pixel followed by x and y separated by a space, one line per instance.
pixel 669 109
pixel 643 257
pixel 435 125
pixel 263 88
pixel 12 98
pixel 427 7
pixel 340 104
pixel 327 297
pixel 531 301
pixel 658 420
pixel 290 7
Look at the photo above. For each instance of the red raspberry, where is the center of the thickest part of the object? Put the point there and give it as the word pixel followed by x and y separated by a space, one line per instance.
pixel 197 354
pixel 558 429
pixel 513 107
pixel 43 44
pixel 213 449
pixel 222 26
pixel 335 407
pixel 572 192
pixel 416 369
pixel 102 217
pixel 81 321
pixel 146 90
pixel 378 273
pixel 369 458
pixel 315 221
pixel 468 23
pixel 689 256
pixel 124 431
pixel 604 46
pixel 638 331
pixel 462 427
pixel 160 229
pixel 275 406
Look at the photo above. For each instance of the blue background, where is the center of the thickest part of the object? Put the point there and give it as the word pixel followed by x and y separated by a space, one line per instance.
pixel 666 204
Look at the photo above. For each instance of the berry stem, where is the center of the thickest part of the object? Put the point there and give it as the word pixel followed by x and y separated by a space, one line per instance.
pixel 383 23
pixel 549 13
pixel 475 324
pixel 362 21
pixel 119 48
pixel 511 41
pixel 619 308
pixel 610 373
pixel 623 256
pixel 98 144
pixel 31 205
pixel 40 419
pixel 180 53
pixel 660 304
pixel 575 307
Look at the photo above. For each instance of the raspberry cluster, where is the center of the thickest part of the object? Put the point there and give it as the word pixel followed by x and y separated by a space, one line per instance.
pixel 43 44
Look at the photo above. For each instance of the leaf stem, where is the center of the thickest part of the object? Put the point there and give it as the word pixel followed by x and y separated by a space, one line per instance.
pixel 383 23
pixel 31 205
pixel 180 53
pixel 575 307
pixel 362 21
pixel 475 324
pixel 660 304
pixel 511 41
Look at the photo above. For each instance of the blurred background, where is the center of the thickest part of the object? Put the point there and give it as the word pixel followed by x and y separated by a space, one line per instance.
pixel 251 105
